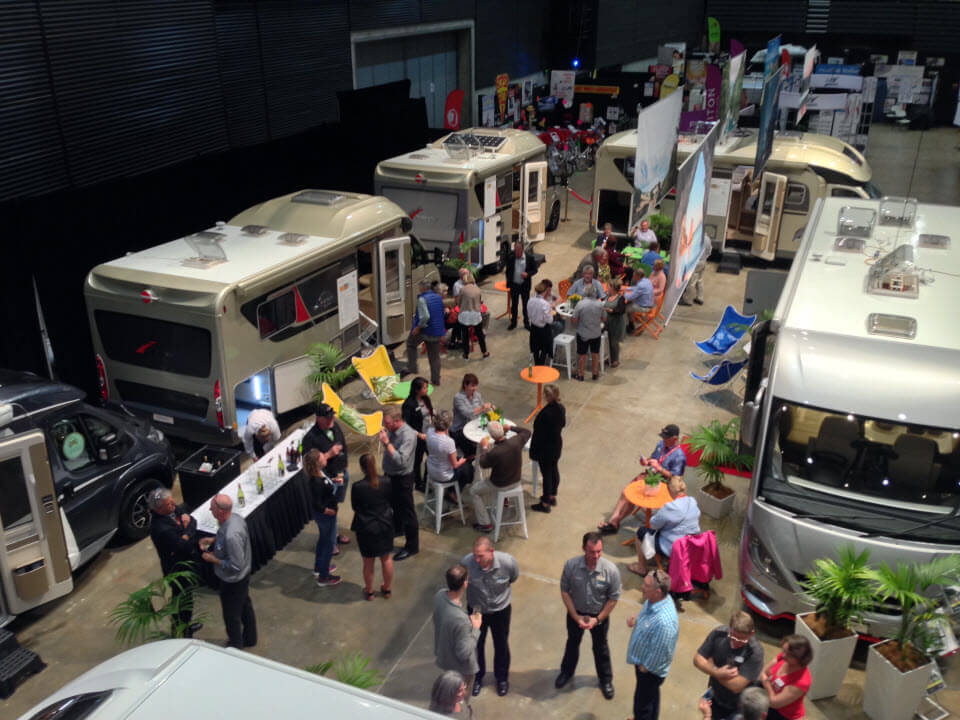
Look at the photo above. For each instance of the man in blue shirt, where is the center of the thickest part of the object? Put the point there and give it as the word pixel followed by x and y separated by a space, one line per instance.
pixel 640 297
pixel 652 254
pixel 652 644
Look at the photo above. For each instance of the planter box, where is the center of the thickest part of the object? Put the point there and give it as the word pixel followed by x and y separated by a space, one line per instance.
pixel 889 694
pixel 713 507
pixel 831 658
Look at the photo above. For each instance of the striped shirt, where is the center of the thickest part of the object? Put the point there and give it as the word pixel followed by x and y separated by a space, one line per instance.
pixel 654 637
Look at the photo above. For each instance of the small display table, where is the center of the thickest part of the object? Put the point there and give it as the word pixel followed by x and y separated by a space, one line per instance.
pixel 502 286
pixel 636 492
pixel 541 374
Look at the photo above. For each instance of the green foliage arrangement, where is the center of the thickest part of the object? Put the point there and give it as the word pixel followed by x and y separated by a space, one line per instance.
pixel 153 612
pixel 653 479
pixel 662 226
pixel 717 443
pixel 463 257
pixel 325 363
pixel 842 590
pixel 350 670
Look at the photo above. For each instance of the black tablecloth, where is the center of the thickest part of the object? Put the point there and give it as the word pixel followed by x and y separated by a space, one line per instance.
pixel 276 522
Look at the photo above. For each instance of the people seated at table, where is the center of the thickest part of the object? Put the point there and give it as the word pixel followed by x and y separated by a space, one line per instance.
pixel 373 524
pixel 590 259
pixel 504 458
pixel 618 266
pixel 640 297
pixel 679 517
pixel 642 235
pixel 667 458
pixel 615 309
pixel 467 404
pixel 658 278
pixel 443 464
pixel 588 280
pixel 540 312
pixel 588 319
pixel 604 272
pixel 606 236
pixel 652 254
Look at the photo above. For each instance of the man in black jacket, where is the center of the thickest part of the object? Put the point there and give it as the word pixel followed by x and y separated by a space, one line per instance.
pixel 327 437
pixel 174 535
pixel 521 267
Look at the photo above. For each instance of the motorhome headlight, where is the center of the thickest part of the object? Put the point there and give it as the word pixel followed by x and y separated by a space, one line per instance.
pixel 763 560
pixel 155 435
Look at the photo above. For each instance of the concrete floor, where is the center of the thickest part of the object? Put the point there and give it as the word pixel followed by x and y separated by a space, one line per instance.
pixel 610 423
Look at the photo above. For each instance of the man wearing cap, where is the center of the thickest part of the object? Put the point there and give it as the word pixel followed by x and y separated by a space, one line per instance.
pixel 327 437
pixel 667 458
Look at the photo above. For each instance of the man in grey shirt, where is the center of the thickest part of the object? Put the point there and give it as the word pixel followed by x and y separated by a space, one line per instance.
pixel 399 442
pixel 590 587
pixel 455 632
pixel 588 318
pixel 493 573
pixel 231 558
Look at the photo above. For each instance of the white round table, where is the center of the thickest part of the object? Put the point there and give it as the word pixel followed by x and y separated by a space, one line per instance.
pixel 474 433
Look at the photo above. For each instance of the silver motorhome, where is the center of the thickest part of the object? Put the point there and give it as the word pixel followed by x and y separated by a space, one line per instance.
pixel 762 216
pixel 852 399
pixel 196 332
pixel 474 184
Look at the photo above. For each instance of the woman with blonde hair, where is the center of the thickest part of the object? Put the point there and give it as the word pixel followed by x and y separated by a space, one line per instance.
pixel 658 278
pixel 615 309
pixel 471 316
pixel 547 444
pixel 677 518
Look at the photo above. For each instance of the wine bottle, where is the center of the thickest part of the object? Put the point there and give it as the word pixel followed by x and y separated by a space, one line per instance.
pixel 280 467
pixel 259 483
pixel 241 500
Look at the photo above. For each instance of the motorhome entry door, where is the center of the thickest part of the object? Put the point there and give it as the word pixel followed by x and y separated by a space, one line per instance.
pixel 766 228
pixel 34 568
pixel 534 195
pixel 396 313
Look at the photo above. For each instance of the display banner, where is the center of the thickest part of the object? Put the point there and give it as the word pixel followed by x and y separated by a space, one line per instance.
pixel 736 47
pixel 502 85
pixel 687 244
pixel 690 120
pixel 561 85
pixel 769 106
pixel 730 94
pixel 657 128
pixel 772 57
pixel 713 34
pixel 808 62
pixel 713 90
pixel 451 114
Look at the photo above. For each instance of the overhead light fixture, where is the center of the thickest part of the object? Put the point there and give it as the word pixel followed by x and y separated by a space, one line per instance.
pixel 575 63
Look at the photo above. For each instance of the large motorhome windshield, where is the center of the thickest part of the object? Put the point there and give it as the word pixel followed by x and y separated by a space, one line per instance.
pixel 155 344
pixel 867 474
pixel 434 212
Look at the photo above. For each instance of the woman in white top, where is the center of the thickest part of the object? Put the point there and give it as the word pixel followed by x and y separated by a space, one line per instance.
pixel 471 316
pixel 442 461
pixel 540 312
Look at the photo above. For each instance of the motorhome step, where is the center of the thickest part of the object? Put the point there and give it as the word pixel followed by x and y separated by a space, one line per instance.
pixel 17 667
pixel 8 643
pixel 730 262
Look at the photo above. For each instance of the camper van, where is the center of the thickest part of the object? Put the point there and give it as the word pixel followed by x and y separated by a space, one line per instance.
pixel 196 333
pixel 852 398
pixel 765 219
pixel 72 476
pixel 170 677
pixel 474 184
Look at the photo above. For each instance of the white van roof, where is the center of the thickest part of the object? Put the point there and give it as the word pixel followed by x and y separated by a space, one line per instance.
pixel 828 358
pixel 501 148
pixel 267 238
pixel 148 681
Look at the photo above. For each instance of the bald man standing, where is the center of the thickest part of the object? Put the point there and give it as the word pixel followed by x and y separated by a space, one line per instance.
pixel 231 558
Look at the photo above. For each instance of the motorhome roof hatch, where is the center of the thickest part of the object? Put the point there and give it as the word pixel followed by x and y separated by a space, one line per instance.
pixel 899 326
pixel 319 197
pixel 255 230
pixel 206 245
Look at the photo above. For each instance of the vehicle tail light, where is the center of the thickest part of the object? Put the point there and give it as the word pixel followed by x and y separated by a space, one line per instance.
pixel 102 377
pixel 218 402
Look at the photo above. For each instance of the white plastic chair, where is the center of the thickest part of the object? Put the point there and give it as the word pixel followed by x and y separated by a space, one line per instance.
pixel 515 492
pixel 566 343
pixel 439 487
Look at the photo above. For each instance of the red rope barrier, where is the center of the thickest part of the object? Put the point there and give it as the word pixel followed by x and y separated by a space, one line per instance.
pixel 574 193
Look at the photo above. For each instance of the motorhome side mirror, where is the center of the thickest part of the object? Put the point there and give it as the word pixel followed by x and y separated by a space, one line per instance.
pixel 406 224
pixel 748 418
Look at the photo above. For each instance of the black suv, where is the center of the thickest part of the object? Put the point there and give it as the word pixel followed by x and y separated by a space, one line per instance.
pixel 104 464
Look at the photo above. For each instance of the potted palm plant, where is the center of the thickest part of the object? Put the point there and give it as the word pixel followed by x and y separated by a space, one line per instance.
pixel 717 445
pixel 898 669
pixel 841 591
pixel 154 612
pixel 328 365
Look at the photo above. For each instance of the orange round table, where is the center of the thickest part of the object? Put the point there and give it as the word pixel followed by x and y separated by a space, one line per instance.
pixel 541 374
pixel 502 286
pixel 635 492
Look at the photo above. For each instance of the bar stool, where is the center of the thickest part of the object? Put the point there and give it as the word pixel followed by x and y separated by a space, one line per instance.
pixel 439 487
pixel 534 470
pixel 515 492
pixel 566 343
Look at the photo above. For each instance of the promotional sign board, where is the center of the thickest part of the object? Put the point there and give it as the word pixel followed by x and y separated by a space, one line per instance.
pixel 687 245
pixel 713 90
pixel 713 34
pixel 769 102
pixel 561 85
pixel 808 61
pixel 730 94
pixel 502 84
pixel 657 129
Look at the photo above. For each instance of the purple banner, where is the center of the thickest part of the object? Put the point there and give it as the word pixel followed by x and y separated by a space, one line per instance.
pixel 736 47
pixel 689 120
pixel 714 83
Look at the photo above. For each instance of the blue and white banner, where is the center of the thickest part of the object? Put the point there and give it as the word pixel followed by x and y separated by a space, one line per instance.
pixel 657 128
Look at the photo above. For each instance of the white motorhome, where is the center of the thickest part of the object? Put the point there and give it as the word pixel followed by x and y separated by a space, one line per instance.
pixel 197 332
pixel 852 402
pixel 474 184
pixel 765 219
pixel 158 679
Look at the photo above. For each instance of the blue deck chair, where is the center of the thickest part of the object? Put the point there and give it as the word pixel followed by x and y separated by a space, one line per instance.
pixel 721 374
pixel 727 334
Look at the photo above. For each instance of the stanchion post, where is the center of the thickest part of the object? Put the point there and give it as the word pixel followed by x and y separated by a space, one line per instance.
pixel 566 203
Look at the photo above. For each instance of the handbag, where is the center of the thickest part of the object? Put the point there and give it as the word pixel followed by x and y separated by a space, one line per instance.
pixel 648 545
